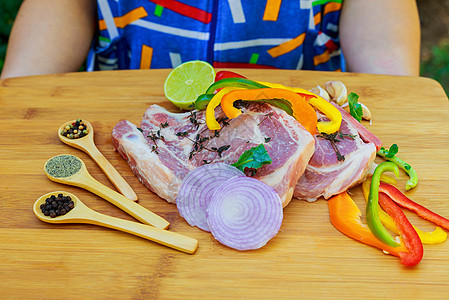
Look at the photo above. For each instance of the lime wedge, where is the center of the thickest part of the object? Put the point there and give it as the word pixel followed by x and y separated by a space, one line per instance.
pixel 187 81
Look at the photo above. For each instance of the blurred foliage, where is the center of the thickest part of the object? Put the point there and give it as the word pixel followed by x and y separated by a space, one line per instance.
pixel 8 12
pixel 437 66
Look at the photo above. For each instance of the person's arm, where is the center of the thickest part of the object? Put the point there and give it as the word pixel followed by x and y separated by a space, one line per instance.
pixel 381 36
pixel 50 36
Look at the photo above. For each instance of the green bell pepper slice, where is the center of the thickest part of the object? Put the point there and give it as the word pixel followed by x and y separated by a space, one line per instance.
pixel 234 82
pixel 372 208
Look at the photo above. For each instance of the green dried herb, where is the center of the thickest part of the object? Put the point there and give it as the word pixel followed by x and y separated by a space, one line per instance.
pixel 62 166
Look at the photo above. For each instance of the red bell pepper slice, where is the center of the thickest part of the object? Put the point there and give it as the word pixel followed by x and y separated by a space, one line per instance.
pixel 411 238
pixel 409 204
pixel 227 74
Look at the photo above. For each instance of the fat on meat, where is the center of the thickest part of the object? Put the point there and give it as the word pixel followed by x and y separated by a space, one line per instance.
pixel 325 175
pixel 167 145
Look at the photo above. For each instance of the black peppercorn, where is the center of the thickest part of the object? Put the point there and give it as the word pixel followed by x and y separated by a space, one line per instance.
pixel 57 205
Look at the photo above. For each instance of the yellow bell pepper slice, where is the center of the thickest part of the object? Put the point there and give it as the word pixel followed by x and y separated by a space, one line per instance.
pixel 319 103
pixel 434 237
pixel 211 122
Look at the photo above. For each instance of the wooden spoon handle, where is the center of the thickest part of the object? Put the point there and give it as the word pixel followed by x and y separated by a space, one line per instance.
pixel 112 173
pixel 167 238
pixel 137 211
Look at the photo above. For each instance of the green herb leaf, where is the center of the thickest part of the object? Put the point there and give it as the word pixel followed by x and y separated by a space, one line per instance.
pixel 253 158
pixel 390 153
pixel 355 108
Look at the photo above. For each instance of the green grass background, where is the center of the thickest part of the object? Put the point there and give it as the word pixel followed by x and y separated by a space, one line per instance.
pixel 436 66
pixel 8 11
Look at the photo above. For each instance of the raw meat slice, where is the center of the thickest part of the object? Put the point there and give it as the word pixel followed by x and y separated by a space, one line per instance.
pixel 162 179
pixel 326 175
pixel 366 135
pixel 172 144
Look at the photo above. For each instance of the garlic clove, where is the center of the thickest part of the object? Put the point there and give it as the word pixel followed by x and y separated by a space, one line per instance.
pixel 337 91
pixel 366 112
pixel 318 90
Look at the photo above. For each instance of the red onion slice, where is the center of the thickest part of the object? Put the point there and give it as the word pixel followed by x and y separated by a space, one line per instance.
pixel 197 189
pixel 244 213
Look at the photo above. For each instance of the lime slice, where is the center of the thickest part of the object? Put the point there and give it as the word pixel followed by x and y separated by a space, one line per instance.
pixel 187 81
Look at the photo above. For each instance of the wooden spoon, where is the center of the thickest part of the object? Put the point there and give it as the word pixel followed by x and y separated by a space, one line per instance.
pixel 83 214
pixel 87 144
pixel 71 170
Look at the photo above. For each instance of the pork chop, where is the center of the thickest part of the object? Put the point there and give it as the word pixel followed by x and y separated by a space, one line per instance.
pixel 168 145
pixel 330 172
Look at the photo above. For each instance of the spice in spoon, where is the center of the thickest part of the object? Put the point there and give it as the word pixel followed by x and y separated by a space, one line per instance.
pixel 62 166
pixel 55 206
pixel 76 130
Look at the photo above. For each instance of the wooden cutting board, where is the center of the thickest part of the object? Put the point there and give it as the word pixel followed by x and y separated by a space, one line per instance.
pixel 309 258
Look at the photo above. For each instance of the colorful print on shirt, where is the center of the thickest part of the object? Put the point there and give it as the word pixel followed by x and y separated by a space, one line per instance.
pixel 301 34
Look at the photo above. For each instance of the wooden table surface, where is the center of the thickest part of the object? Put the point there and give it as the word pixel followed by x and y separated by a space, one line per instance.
pixel 308 258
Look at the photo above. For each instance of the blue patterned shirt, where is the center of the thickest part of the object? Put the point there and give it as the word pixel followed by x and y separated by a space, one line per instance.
pixel 143 34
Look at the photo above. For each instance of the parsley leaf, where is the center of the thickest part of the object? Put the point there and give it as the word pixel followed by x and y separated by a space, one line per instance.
pixel 354 107
pixel 392 151
pixel 253 158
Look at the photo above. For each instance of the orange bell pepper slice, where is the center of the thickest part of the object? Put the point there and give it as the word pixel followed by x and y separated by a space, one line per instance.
pixel 345 216
pixel 334 115
pixel 303 112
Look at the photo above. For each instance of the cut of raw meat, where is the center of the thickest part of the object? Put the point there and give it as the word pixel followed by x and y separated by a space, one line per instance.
pixel 168 145
pixel 325 175
pixel 366 135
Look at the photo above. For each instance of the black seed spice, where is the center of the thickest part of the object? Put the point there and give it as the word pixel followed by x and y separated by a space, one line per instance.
pixel 63 166
pixel 55 206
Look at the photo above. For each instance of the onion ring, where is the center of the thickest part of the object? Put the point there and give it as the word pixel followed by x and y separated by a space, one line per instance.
pixel 197 189
pixel 244 213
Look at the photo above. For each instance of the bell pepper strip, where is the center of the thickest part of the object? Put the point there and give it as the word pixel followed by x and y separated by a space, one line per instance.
pixel 202 101
pixel 413 181
pixel 387 179
pixel 409 204
pixel 384 217
pixel 280 86
pixel 302 111
pixel 346 217
pixel 227 74
pixel 234 82
pixel 332 113
pixel 427 237
pixel 409 236
pixel 372 207
pixel 211 122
